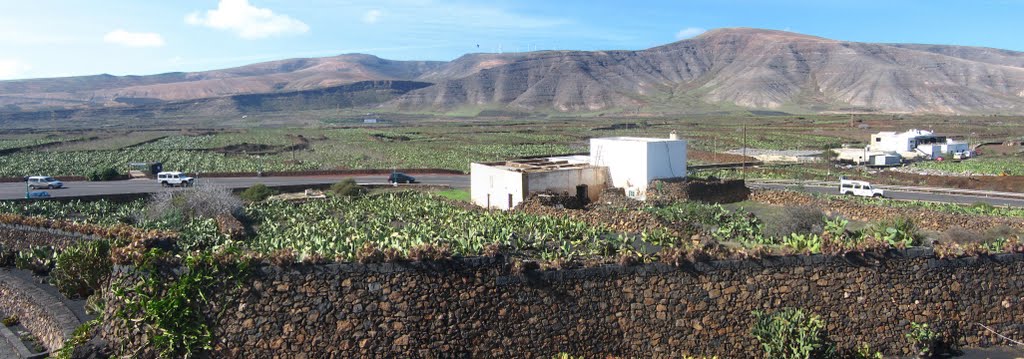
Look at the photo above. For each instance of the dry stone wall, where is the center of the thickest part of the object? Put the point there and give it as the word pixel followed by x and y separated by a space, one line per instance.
pixel 40 312
pixel 478 308
pixel 18 237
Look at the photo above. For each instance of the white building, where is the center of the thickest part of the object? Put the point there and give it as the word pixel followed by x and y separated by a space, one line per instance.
pixel 503 185
pixel 916 144
pixel 633 162
pixel 630 163
pixel 864 156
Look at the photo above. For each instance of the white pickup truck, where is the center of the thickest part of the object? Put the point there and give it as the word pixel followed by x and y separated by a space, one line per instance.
pixel 858 188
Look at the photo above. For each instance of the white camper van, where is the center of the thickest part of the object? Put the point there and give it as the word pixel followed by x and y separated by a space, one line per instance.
pixel 858 188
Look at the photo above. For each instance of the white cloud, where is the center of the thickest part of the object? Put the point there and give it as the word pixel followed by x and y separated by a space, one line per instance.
pixel 372 16
pixel 134 39
pixel 689 32
pixel 248 21
pixel 11 68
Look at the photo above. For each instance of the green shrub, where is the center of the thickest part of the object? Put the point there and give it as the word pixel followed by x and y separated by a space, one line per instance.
pixel 792 334
pixel 39 260
pixel 347 188
pixel 7 256
pixel 82 268
pixel 924 339
pixel 102 174
pixel 11 320
pixel 864 351
pixel 95 304
pixel 80 336
pixel 169 305
pixel 257 192
pixel 898 232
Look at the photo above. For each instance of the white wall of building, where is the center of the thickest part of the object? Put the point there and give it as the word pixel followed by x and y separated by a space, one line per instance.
pixel 492 187
pixel 634 162
pixel 626 160
pixel 566 180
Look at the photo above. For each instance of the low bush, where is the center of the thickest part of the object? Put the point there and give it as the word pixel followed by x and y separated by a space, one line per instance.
pixel 102 174
pixel 794 220
pixel 7 256
pixel 792 334
pixel 257 192
pixel 176 208
pixel 347 188
pixel 11 320
pixel 924 339
pixel 959 235
pixel 79 337
pixel 40 260
pixel 899 232
pixel 81 269
pixel 1000 232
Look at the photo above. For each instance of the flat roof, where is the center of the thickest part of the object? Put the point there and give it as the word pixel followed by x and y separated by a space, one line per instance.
pixel 636 139
pixel 534 165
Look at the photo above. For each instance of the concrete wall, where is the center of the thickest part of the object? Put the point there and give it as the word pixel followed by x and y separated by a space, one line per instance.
pixel 490 187
pixel 634 162
pixel 665 159
pixel 566 180
pixel 626 161
pixel 478 308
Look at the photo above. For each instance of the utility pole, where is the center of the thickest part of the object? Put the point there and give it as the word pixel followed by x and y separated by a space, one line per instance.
pixel 744 151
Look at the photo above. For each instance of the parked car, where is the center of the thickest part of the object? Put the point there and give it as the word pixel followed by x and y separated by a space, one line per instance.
pixel 858 188
pixel 39 194
pixel 174 178
pixel 399 177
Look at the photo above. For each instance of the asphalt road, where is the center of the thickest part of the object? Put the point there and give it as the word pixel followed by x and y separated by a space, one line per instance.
pixel 931 197
pixel 77 189
pixel 74 189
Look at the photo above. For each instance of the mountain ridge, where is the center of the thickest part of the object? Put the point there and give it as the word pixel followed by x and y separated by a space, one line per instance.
pixel 732 68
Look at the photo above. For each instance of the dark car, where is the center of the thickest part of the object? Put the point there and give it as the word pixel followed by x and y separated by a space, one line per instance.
pixel 398 177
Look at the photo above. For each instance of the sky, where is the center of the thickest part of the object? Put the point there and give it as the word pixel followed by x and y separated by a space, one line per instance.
pixel 55 38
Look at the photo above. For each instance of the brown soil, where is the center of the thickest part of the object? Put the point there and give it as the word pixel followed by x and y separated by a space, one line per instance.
pixel 852 210
pixel 1000 149
pixel 986 183
pixel 712 157
pixel 614 210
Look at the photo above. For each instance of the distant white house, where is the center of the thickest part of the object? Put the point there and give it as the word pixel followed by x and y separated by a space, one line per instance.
pixel 370 120
pixel 630 163
pixel 917 144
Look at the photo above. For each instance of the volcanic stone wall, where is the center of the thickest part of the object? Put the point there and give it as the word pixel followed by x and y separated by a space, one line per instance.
pixel 18 237
pixel 693 189
pixel 40 312
pixel 478 308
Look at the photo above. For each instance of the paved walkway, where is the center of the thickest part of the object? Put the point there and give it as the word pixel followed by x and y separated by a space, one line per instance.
pixel 6 350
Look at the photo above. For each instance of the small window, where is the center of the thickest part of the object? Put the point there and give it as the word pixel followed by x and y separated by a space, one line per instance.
pixel 878 139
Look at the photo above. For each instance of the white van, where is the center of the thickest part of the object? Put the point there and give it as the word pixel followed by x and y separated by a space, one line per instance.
pixel 43 182
pixel 171 179
pixel 858 188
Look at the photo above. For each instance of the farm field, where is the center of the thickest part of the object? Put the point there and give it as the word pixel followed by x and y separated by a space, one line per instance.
pixel 403 224
pixel 453 144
